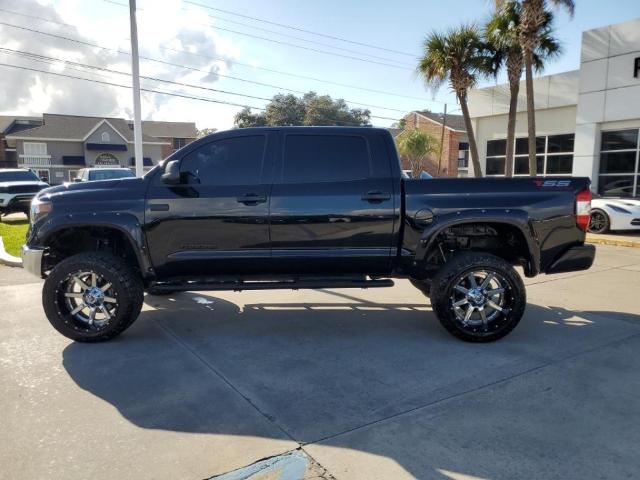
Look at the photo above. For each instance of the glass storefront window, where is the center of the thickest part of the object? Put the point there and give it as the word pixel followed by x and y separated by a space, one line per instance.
pixel 619 164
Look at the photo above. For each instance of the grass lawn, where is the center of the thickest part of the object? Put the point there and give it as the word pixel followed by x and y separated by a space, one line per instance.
pixel 13 234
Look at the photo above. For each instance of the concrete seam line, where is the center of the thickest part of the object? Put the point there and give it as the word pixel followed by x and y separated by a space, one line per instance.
pixel 185 346
pixel 473 390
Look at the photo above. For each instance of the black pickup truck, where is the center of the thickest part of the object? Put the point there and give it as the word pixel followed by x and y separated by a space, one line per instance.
pixel 301 207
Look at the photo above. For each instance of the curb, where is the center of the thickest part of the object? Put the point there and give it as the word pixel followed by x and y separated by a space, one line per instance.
pixel 618 242
pixel 8 260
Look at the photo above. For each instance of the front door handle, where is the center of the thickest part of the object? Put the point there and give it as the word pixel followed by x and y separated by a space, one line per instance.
pixel 252 199
pixel 376 196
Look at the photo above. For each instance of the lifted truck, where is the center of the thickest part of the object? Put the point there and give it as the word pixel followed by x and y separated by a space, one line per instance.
pixel 301 207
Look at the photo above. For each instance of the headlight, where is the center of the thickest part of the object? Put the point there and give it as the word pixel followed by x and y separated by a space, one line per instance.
pixel 40 208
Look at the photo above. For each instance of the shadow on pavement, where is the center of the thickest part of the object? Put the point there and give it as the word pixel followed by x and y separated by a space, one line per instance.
pixel 316 370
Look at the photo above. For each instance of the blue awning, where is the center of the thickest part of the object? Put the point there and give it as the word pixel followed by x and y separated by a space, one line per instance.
pixel 107 147
pixel 146 161
pixel 73 160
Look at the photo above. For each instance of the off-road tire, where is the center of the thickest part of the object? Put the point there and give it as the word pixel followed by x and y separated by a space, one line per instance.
pixel 605 219
pixel 126 284
pixel 462 264
pixel 423 285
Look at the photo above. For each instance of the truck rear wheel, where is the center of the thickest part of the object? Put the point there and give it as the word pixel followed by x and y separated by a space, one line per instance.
pixel 478 297
pixel 92 297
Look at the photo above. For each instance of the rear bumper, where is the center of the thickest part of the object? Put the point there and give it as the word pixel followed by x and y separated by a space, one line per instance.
pixel 576 258
pixel 32 260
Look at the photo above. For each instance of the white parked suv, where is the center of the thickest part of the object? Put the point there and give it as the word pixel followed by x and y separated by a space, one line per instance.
pixel 98 173
pixel 17 187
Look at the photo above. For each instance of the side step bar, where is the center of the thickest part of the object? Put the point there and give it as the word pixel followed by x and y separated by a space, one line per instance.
pixel 293 284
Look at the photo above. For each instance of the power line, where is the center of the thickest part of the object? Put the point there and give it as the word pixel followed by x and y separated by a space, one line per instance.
pixel 150 90
pixel 155 79
pixel 316 50
pixel 282 25
pixel 234 22
pixel 226 59
pixel 82 42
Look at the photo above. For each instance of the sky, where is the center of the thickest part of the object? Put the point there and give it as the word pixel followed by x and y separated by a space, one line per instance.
pixel 224 58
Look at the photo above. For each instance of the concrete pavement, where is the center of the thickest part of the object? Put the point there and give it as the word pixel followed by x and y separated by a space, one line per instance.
pixel 366 382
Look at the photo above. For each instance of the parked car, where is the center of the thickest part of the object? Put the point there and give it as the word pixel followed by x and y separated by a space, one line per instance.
pixel 614 214
pixel 301 207
pixel 17 187
pixel 97 173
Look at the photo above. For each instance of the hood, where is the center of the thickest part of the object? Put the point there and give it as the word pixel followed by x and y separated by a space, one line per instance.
pixel 24 184
pixel 97 185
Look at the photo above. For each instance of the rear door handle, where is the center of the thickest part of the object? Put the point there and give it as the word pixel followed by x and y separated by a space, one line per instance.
pixel 159 207
pixel 376 196
pixel 252 199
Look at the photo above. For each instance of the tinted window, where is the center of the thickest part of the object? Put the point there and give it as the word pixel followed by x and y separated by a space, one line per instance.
pixel 620 162
pixel 110 174
pixel 232 161
pixel 18 177
pixel 522 145
pixel 616 186
pixel 521 165
pixel 560 143
pixel 559 164
pixel 325 158
pixel 495 166
pixel 620 140
pixel 496 147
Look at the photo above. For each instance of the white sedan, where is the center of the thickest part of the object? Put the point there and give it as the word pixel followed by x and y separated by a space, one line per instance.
pixel 614 214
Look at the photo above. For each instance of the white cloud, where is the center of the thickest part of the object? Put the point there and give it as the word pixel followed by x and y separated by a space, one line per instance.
pixel 160 30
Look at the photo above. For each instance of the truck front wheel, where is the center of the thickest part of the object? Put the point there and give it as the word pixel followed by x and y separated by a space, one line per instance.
pixel 92 297
pixel 478 297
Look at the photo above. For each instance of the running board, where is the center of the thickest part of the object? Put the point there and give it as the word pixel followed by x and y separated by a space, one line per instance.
pixel 293 284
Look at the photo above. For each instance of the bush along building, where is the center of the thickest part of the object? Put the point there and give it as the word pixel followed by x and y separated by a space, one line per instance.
pixel 455 157
pixel 62 144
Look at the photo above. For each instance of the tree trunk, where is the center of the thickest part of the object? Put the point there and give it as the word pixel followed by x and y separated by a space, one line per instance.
pixel 511 127
pixel 444 121
pixel 531 112
pixel 473 148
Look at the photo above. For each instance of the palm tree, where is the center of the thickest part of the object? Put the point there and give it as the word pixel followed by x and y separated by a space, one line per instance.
pixel 533 17
pixel 415 145
pixel 502 33
pixel 457 56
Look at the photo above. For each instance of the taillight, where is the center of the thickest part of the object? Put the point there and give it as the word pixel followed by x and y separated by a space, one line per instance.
pixel 583 209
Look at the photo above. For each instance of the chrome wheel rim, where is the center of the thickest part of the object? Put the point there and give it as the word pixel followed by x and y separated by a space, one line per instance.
pixel 89 299
pixel 480 301
pixel 596 222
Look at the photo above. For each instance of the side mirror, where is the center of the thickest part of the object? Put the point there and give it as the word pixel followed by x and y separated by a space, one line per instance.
pixel 77 180
pixel 171 173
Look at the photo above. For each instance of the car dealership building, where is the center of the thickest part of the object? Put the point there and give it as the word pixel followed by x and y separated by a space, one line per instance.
pixel 587 120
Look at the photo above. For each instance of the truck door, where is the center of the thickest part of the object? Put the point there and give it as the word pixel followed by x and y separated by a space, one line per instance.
pixel 216 220
pixel 332 207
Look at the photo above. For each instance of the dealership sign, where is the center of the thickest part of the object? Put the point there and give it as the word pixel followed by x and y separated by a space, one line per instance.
pixel 106 160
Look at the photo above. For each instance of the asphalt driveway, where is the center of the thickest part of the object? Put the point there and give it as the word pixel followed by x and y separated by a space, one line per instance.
pixel 366 382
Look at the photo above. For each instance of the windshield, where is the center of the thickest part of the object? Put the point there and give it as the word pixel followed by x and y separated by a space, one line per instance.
pixel 18 176
pixel 110 174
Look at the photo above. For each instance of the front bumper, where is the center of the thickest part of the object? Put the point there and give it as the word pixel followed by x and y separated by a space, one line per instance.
pixel 16 203
pixel 576 258
pixel 32 260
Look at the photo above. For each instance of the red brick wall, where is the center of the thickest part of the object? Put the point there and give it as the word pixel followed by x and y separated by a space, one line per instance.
pixel 449 167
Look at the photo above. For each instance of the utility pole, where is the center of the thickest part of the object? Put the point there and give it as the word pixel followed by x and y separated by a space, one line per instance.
pixel 444 121
pixel 135 71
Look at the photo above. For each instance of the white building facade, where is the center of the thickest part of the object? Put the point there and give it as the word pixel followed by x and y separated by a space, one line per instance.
pixel 587 120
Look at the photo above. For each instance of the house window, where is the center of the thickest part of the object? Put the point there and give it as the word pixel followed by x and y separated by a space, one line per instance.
pixel 35 149
pixel 179 143
pixel 43 174
pixel 554 155
pixel 620 164
pixel 106 138
pixel 463 155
